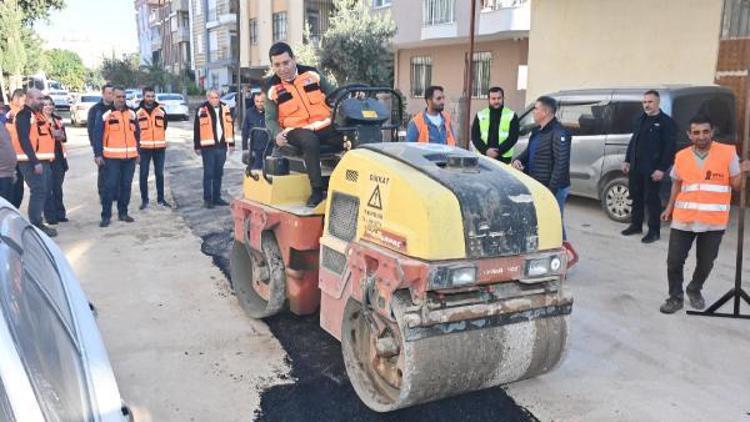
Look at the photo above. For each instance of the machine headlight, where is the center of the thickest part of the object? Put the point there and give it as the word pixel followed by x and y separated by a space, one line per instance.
pixel 453 276
pixel 538 267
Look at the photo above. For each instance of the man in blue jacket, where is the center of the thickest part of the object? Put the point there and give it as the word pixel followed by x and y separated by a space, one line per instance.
pixel 650 155
pixel 255 117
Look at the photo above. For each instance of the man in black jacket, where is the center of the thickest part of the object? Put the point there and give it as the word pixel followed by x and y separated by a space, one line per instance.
pixel 650 154
pixel 94 115
pixel 547 158
pixel 255 117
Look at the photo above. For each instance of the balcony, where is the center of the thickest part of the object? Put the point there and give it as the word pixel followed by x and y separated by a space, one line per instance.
pixel 508 17
pixel 155 42
pixel 180 6
pixel 221 20
pixel 181 35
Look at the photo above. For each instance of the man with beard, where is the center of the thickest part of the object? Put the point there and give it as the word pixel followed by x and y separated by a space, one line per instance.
pixel 432 125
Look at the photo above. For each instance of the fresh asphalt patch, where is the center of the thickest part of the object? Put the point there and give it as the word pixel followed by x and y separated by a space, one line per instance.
pixel 321 388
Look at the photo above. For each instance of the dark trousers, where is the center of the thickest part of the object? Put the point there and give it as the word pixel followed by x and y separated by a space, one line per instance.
pixel 17 197
pixel 100 178
pixel 157 155
pixel 6 188
pixel 309 143
pixel 39 185
pixel 707 248
pixel 213 170
pixel 118 177
pixel 645 195
pixel 54 209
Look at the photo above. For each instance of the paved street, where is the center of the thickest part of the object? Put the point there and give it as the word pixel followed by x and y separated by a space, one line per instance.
pixel 182 349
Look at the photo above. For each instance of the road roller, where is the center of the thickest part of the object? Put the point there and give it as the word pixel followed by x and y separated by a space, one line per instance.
pixel 440 271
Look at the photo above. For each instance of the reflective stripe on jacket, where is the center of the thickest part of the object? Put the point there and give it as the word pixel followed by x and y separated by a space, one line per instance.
pixel 207 135
pixel 119 140
pixel 503 128
pixel 40 135
pixel 424 130
pixel 301 102
pixel 153 129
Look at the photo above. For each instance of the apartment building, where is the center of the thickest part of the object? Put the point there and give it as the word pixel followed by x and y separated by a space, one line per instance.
pixel 214 42
pixel 432 45
pixel 148 38
pixel 264 22
pixel 164 33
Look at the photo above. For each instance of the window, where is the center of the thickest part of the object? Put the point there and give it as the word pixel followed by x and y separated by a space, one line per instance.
pixel 234 46
pixel 198 8
pixel 200 46
pixel 621 115
pixel 438 12
pixel 279 26
pixel 213 45
pixel 421 75
pixel 481 76
pixel 381 3
pixel 719 107
pixel 491 5
pixel 736 19
pixel 526 122
pixel 313 23
pixel 211 15
pixel 583 119
pixel 253 32
pixel 173 24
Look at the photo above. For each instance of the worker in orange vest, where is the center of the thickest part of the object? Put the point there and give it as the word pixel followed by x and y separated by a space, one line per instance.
pixel 35 150
pixel 152 120
pixel 297 114
pixel 213 135
pixel 432 125
pixel 703 177
pixel 116 143
pixel 17 101
pixel 54 208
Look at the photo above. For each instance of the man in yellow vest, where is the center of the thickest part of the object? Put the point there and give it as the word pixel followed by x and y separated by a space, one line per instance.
pixel 35 151
pixel 494 132
pixel 703 177
pixel 152 120
pixel 432 125
pixel 213 134
pixel 116 138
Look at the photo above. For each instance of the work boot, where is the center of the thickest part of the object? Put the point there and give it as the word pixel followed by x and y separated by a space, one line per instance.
pixel 143 206
pixel 671 305
pixel 165 204
pixel 63 220
pixel 651 237
pixel 49 231
pixel 632 230
pixel 696 300
pixel 207 204
pixel 104 223
pixel 221 203
pixel 126 218
pixel 316 198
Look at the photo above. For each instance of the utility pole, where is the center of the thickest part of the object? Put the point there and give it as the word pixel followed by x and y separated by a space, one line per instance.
pixel 469 79
pixel 239 103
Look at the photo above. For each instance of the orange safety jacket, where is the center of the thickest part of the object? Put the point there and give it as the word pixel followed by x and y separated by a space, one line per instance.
pixel 207 135
pixel 119 140
pixel 153 129
pixel 300 102
pixel 10 124
pixel 424 131
pixel 57 124
pixel 706 191
pixel 41 139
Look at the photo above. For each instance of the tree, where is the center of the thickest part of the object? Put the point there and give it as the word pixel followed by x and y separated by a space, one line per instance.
pixel 122 72
pixel 37 9
pixel 12 52
pixel 35 58
pixel 356 45
pixel 65 66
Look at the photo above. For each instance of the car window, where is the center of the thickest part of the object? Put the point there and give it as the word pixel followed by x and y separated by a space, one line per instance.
pixel 620 116
pixel 91 99
pixel 168 97
pixel 526 123
pixel 583 119
pixel 719 107
pixel 46 345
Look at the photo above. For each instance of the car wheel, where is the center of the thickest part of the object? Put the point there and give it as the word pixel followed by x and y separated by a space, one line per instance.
pixel 616 202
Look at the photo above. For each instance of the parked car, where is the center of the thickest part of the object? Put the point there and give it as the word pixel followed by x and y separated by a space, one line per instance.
pixel 79 111
pixel 60 96
pixel 133 100
pixel 601 123
pixel 174 105
pixel 53 363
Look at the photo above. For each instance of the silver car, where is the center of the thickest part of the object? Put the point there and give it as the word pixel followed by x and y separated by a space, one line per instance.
pixel 53 364
pixel 79 111
pixel 174 105
pixel 601 123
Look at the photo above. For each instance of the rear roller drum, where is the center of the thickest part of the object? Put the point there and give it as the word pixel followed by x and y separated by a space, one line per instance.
pixel 260 286
pixel 388 373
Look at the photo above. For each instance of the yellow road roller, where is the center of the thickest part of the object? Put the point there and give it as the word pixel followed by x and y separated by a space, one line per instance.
pixel 440 271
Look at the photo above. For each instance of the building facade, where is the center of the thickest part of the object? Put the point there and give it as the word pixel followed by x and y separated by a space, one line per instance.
pixel 164 34
pixel 146 16
pixel 434 51
pixel 214 42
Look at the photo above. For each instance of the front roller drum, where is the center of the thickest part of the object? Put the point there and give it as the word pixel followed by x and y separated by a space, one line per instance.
pixel 259 283
pixel 389 373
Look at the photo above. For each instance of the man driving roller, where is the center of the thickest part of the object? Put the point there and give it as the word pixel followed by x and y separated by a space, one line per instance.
pixel 297 114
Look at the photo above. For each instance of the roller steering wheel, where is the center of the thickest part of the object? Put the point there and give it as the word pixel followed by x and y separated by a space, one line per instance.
pixel 346 89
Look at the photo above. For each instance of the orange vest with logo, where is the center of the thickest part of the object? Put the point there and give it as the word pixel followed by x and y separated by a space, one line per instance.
pixel 57 124
pixel 424 130
pixel 41 139
pixel 300 102
pixel 208 139
pixel 153 132
pixel 706 191
pixel 119 134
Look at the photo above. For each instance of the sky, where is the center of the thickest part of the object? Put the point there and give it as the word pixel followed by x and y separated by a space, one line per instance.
pixel 92 28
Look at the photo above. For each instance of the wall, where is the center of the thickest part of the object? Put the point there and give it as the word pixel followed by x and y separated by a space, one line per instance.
pixel 594 43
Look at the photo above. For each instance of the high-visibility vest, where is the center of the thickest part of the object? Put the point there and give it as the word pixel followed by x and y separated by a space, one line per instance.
pixel 41 139
pixel 706 191
pixel 300 102
pixel 10 124
pixel 424 130
pixel 153 132
pixel 208 139
pixel 119 134
pixel 506 117
pixel 57 124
